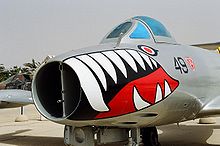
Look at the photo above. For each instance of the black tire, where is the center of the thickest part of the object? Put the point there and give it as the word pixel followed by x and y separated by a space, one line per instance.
pixel 150 136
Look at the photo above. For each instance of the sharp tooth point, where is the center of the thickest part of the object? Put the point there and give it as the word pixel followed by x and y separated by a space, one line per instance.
pixel 106 64
pixel 86 82
pixel 167 89
pixel 127 57
pixel 149 63
pixel 154 62
pixel 159 96
pixel 138 101
pixel 117 61
pixel 147 59
pixel 137 57
pixel 96 68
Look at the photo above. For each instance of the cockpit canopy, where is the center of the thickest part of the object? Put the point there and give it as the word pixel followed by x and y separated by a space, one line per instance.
pixel 139 29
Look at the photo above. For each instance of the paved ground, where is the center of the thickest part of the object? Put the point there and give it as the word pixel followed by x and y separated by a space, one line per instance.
pixel 46 133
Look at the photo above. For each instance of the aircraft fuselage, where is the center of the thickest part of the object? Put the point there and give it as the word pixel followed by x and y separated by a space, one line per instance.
pixel 190 74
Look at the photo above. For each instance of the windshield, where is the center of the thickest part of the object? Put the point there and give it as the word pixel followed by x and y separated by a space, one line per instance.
pixel 157 28
pixel 140 32
pixel 120 30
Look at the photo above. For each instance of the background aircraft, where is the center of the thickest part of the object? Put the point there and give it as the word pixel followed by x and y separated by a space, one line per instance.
pixel 11 98
pixel 137 78
pixel 17 81
pixel 15 91
pixel 209 46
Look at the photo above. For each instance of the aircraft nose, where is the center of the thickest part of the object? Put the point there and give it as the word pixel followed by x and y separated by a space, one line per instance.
pixel 56 90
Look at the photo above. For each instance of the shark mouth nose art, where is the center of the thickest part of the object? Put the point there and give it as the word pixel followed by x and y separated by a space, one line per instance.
pixel 123 81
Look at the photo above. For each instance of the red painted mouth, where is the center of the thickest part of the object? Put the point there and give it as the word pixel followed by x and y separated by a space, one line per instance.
pixel 141 93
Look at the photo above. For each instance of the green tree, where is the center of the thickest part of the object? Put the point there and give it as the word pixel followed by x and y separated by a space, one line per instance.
pixel 4 73
pixel 2 68
pixel 31 67
pixel 28 68
pixel 14 70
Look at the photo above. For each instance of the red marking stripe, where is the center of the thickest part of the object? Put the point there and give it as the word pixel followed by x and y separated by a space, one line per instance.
pixel 123 102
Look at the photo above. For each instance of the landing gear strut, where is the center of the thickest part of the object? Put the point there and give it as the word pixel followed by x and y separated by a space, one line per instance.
pixel 90 136
pixel 150 136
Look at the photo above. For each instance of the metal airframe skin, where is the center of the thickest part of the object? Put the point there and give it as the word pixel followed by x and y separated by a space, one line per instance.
pixel 15 91
pixel 197 71
pixel 11 98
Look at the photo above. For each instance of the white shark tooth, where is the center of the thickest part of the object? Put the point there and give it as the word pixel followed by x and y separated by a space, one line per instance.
pixel 167 88
pixel 106 64
pixel 159 95
pixel 137 57
pixel 147 59
pixel 138 101
pixel 96 68
pixel 127 57
pixel 87 80
pixel 117 61
pixel 154 62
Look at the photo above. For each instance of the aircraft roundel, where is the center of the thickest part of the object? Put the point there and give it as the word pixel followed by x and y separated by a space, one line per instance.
pixel 148 50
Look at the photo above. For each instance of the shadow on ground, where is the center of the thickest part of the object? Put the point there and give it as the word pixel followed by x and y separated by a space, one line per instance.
pixel 187 135
pixel 17 140
pixel 184 135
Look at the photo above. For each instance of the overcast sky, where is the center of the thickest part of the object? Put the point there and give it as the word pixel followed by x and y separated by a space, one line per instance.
pixel 37 28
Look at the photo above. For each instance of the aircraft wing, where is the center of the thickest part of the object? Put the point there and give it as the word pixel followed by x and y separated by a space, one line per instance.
pixel 212 108
pixel 15 98
pixel 208 46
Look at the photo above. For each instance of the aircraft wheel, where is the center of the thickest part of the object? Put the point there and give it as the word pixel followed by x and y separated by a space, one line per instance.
pixel 150 136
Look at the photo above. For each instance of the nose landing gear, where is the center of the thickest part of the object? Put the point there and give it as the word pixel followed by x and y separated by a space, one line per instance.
pixel 150 136
pixel 84 136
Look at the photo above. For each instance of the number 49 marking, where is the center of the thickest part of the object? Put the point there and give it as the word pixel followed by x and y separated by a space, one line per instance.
pixel 180 65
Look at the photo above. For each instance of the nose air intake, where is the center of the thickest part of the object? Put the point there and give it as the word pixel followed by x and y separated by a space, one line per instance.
pixel 56 89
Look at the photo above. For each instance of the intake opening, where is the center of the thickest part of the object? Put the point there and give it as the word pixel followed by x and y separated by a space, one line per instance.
pixel 57 89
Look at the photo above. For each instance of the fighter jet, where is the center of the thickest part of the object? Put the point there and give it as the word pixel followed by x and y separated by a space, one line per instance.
pixel 15 91
pixel 12 98
pixel 137 78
